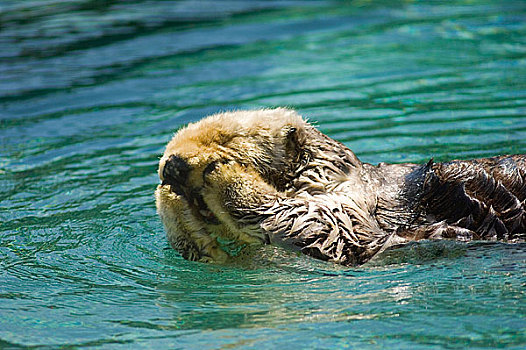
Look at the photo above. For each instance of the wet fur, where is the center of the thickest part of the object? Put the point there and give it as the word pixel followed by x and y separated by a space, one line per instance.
pixel 268 176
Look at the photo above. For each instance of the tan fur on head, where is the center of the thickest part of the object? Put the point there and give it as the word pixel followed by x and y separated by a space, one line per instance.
pixel 228 155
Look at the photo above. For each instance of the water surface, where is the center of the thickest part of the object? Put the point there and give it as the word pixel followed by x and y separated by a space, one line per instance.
pixel 90 91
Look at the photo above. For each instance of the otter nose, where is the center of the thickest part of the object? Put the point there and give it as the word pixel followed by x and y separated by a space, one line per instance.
pixel 175 170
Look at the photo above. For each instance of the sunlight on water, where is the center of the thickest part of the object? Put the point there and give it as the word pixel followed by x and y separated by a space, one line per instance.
pixel 90 92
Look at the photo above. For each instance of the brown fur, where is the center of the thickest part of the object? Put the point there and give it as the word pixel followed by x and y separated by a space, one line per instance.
pixel 252 177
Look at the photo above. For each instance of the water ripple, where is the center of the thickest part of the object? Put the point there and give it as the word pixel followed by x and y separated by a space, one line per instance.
pixel 92 90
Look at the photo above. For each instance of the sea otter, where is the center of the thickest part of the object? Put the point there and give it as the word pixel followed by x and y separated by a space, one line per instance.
pixel 247 178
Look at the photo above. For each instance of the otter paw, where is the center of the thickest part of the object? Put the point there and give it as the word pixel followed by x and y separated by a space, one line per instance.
pixel 214 255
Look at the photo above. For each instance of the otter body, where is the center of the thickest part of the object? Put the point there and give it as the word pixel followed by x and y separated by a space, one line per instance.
pixel 256 177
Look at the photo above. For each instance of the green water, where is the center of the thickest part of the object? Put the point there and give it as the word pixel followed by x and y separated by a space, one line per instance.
pixel 90 91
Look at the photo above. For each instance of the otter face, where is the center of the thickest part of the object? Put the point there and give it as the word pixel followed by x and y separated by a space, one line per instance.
pixel 215 172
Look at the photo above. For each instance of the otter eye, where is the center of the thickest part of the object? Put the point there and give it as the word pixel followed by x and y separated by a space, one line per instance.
pixel 209 168
pixel 213 165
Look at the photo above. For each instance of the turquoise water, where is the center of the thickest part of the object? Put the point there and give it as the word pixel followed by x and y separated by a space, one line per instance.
pixel 90 91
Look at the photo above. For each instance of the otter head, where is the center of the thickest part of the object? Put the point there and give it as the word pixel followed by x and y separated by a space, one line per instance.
pixel 215 172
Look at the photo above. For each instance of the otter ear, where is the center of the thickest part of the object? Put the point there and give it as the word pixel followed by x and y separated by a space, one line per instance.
pixel 291 133
pixel 295 137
